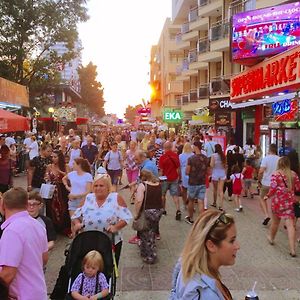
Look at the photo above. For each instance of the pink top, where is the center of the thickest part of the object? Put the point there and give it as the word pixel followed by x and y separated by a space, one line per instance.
pixel 23 242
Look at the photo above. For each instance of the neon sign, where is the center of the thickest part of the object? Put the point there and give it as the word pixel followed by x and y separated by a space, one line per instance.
pixel 285 110
pixel 282 107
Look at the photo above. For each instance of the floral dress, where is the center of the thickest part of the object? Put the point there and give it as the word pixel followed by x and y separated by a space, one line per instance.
pixel 98 218
pixel 282 197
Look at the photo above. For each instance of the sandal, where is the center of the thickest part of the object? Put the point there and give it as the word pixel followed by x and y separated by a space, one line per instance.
pixel 214 205
pixel 271 242
pixel 293 254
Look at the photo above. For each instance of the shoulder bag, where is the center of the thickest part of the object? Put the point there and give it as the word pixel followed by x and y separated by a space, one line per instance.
pixel 141 223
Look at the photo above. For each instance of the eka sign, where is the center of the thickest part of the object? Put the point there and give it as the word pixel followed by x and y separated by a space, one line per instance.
pixel 174 116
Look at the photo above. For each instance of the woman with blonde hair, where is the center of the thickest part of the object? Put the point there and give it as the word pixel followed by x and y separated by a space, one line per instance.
pixel 187 152
pixel 103 210
pixel 149 198
pixel 284 183
pixel 210 244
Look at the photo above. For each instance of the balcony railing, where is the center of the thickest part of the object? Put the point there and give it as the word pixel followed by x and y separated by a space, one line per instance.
pixel 192 57
pixel 178 100
pixel 220 85
pixel 203 2
pixel 219 30
pixel 178 38
pixel 185 99
pixel 193 14
pixel 185 28
pixel 203 45
pixel 193 95
pixel 185 65
pixel 203 91
pixel 238 6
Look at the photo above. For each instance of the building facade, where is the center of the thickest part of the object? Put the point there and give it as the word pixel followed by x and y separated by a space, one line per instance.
pixel 164 59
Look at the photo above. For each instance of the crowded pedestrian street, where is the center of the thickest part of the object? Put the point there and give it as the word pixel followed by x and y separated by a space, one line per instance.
pixel 276 273
pixel 150 150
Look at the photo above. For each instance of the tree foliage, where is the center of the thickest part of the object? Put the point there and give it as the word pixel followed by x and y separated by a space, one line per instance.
pixel 28 30
pixel 131 113
pixel 91 89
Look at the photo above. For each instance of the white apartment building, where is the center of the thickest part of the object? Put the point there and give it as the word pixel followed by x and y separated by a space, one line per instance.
pixel 68 72
pixel 164 60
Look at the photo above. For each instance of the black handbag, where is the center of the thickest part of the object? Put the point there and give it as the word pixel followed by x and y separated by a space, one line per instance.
pixel 297 209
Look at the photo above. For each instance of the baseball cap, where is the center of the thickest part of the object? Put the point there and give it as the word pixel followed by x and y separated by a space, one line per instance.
pixel 158 142
pixel 151 148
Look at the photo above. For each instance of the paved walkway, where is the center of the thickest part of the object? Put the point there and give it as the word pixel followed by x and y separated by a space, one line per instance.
pixel 276 273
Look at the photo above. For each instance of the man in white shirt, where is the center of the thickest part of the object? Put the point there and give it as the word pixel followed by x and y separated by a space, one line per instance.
pixel 9 141
pixel 267 168
pixel 209 146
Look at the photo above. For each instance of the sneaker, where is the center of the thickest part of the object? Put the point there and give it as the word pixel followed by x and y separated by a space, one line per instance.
pixel 134 240
pixel 188 220
pixel 178 215
pixel 266 221
pixel 237 209
pixel 157 236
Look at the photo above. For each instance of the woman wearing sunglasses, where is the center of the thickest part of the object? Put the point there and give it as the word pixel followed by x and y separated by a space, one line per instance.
pixel 210 245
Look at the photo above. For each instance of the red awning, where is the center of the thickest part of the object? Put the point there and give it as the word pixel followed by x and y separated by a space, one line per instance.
pixel 80 121
pixel 10 122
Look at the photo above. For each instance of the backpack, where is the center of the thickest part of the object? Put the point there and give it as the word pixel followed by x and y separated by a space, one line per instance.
pixel 237 185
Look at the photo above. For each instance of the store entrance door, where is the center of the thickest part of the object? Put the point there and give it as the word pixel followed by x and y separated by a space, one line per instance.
pixel 248 130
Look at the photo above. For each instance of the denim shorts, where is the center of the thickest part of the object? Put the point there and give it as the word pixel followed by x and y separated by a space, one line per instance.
pixel 74 204
pixel 172 186
pixel 196 192
pixel 114 175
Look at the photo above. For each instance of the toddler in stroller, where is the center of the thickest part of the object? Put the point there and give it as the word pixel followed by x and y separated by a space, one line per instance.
pixel 81 245
pixel 91 283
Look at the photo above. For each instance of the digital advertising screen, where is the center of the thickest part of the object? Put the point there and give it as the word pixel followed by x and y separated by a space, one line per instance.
pixel 265 32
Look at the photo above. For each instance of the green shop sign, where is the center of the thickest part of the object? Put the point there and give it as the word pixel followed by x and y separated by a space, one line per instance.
pixel 173 116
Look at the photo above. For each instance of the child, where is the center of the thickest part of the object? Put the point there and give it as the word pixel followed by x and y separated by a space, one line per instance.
pixel 248 176
pixel 88 283
pixel 35 204
pixel 237 187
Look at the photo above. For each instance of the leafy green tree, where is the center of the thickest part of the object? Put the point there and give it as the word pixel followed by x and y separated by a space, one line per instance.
pixel 28 30
pixel 91 89
pixel 131 113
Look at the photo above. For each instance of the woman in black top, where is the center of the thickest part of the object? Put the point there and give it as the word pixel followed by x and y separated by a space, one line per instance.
pixel 149 190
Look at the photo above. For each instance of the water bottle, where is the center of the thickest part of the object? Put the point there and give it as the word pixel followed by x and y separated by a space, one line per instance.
pixel 251 295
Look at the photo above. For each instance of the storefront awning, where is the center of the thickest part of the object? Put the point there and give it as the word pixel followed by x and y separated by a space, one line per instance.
pixel 263 101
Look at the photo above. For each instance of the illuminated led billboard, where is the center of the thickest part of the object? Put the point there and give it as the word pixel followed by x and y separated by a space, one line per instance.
pixel 265 32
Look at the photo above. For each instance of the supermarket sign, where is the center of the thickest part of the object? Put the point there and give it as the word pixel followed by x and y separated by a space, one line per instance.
pixel 172 116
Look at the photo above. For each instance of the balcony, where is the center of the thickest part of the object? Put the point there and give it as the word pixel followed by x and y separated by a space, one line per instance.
pixel 238 6
pixel 180 44
pixel 193 96
pixel 192 57
pixel 205 53
pixel 185 28
pixel 199 24
pixel 193 14
pixel 220 86
pixel 203 91
pixel 203 45
pixel 178 100
pixel 185 99
pixel 190 36
pixel 219 36
pixel 210 8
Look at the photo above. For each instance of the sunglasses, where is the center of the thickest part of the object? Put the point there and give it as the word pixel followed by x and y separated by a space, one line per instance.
pixel 223 218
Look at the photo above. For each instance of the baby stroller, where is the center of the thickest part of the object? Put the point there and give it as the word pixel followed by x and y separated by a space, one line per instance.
pixel 81 245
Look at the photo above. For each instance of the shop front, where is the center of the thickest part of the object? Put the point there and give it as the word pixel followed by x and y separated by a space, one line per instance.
pixel 270 90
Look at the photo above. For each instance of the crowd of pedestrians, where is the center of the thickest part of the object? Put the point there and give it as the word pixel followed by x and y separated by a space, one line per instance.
pixel 88 170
